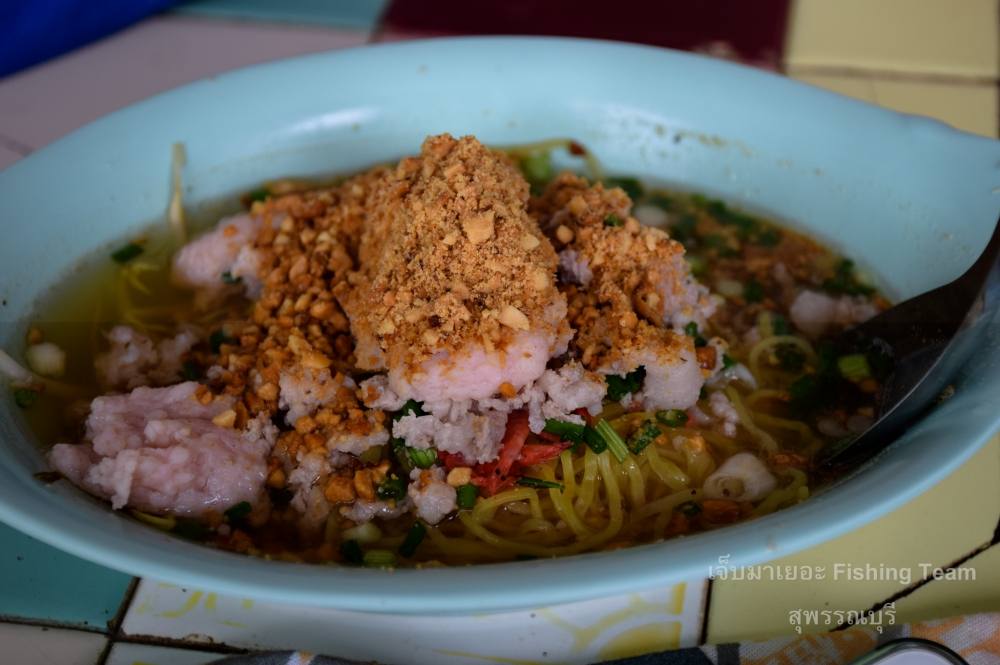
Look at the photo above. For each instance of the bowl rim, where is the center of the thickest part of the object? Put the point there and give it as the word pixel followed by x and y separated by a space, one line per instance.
pixel 512 585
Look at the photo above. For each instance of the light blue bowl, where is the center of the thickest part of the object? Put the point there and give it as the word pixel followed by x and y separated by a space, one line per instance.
pixel 910 198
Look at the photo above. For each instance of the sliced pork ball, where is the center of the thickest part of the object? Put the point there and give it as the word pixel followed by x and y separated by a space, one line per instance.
pixel 134 360
pixel 815 313
pixel 221 261
pixel 168 451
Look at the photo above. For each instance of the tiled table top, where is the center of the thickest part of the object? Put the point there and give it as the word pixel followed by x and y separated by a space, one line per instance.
pixel 941 60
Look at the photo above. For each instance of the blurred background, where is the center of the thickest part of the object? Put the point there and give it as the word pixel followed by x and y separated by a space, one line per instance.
pixel 66 62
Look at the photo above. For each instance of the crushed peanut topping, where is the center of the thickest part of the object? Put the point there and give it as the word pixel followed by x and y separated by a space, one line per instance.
pixel 621 309
pixel 448 257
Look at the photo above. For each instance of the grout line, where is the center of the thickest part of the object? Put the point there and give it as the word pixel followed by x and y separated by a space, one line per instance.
pixel 887 74
pixel 876 607
pixel 707 604
pixel 996 532
pixel 116 623
pixel 179 643
pixel 44 623
pixel 117 633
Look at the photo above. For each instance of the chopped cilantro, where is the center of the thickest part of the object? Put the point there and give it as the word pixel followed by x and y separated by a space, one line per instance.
pixel 631 186
pixel 126 253
pixel 619 386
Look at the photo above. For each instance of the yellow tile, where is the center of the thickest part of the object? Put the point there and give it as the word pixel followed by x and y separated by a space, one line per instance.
pixel 953 37
pixel 869 565
pixel 859 87
pixel 970 593
pixel 967 106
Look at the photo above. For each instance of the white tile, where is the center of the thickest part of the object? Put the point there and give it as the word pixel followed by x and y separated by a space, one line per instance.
pixel 125 653
pixel 34 645
pixel 44 102
pixel 577 633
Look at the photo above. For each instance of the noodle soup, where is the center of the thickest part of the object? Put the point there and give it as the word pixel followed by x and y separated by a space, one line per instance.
pixel 464 357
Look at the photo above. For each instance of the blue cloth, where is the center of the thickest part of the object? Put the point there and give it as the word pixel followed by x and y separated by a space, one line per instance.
pixel 35 30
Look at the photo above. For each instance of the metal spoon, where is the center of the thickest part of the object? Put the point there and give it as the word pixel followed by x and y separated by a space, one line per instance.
pixel 927 338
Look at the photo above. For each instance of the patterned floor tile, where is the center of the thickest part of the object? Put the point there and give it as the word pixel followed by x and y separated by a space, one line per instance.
pixel 126 653
pixel 41 583
pixel 34 645
pixel 342 13
pixel 578 633
pixel 911 36
pixel 871 564
pixel 153 56
pixel 970 107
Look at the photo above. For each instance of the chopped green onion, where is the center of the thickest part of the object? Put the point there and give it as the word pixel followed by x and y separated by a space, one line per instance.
pixel 540 483
pixel 217 339
pixel 697 264
pixel 613 440
pixel 258 195
pixel 691 330
pixel 238 511
pixel 414 537
pixel 401 452
pixel 845 281
pixel 371 455
pixel 661 201
pixel 727 361
pixel 854 367
pixel 126 253
pixel 790 357
pixel 351 552
pixel 644 436
pixel 565 430
pixel 726 215
pixel 684 228
pixel 689 508
pixel 619 386
pixel 594 440
pixel 806 392
pixel 672 417
pixel 192 529
pixel 411 406
pixel 392 487
pixel 753 291
pixel 25 397
pixel 631 186
pixel 779 324
pixel 227 278
pixel 537 168
pixel 721 244
pixel 768 237
pixel 467 495
pixel 190 371
pixel 613 220
pixel 422 458
pixel 379 559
